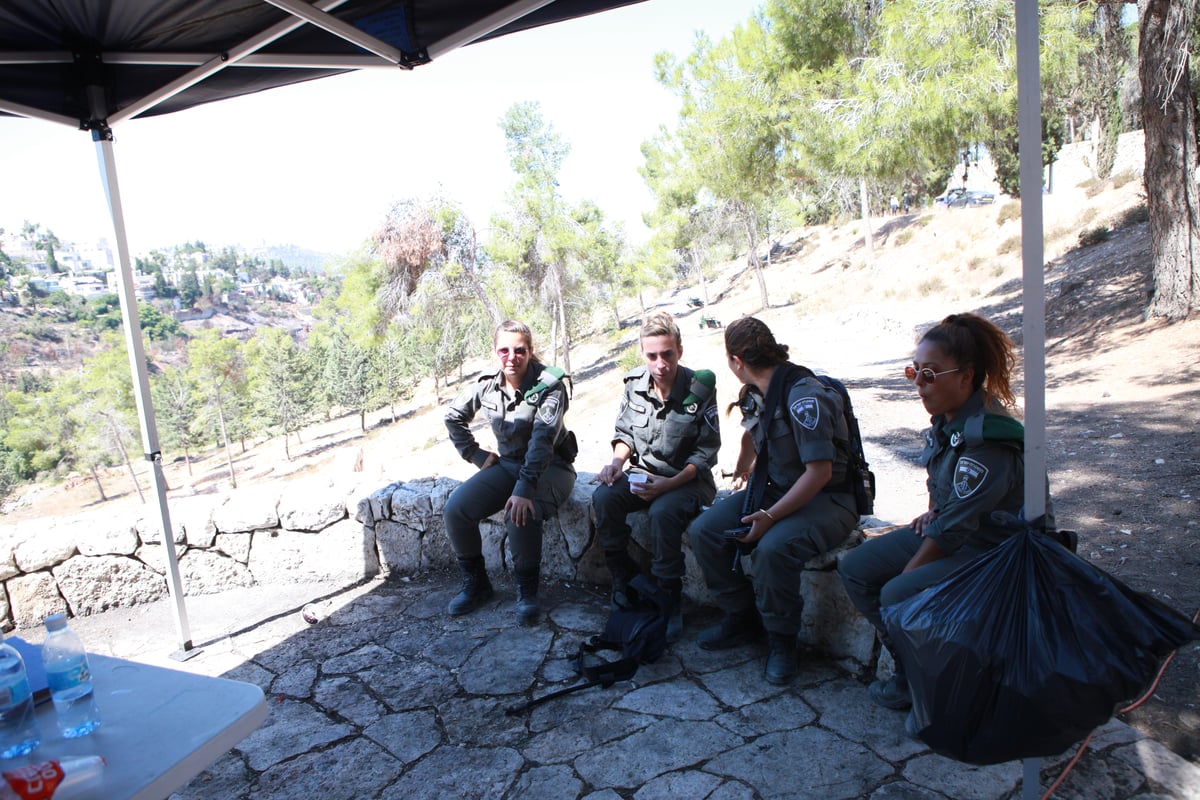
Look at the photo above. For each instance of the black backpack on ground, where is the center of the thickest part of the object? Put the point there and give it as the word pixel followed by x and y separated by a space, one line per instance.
pixel 637 630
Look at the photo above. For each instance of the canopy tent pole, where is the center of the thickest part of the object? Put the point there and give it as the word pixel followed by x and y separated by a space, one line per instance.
pixel 1033 324
pixel 102 135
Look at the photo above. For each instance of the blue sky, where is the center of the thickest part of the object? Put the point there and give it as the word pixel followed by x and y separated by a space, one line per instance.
pixel 319 164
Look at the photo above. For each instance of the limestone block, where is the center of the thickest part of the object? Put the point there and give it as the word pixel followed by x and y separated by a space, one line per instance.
pixel 206 572
pixel 195 516
pixel 411 503
pixel 311 505
pixel 574 519
pixel 345 551
pixel 436 550
pixel 557 563
pixel 830 623
pixel 399 547
pixel 117 538
pixel 237 545
pixel 149 525
pixel 8 565
pixel 92 584
pixel 32 598
pixel 379 504
pixel 53 544
pixel 5 611
pixel 154 557
pixel 591 567
pixel 246 511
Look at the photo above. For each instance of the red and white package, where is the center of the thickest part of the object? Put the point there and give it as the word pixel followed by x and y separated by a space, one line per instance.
pixel 48 779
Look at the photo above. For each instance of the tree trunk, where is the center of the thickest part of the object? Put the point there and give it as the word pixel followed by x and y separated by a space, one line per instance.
pixel 225 439
pixel 1169 116
pixel 700 275
pixel 752 256
pixel 99 486
pixel 868 243
pixel 286 452
pixel 129 465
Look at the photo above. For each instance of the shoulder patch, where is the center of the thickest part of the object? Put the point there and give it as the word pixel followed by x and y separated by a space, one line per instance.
pixel 969 475
pixel 806 412
pixel 548 413
pixel 711 418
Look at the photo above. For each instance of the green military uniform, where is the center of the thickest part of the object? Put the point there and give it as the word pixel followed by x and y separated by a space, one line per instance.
pixel 975 466
pixel 535 450
pixel 663 437
pixel 809 425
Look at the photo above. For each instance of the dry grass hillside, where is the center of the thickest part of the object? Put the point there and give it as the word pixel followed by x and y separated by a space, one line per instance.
pixel 1121 437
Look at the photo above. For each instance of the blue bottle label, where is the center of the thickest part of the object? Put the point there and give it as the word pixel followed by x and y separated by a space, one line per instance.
pixel 14 693
pixel 67 678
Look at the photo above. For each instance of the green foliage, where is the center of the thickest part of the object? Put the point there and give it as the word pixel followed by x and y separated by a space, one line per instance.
pixel 281 388
pixel 1010 245
pixel 1091 236
pixel 1133 216
pixel 631 358
pixel 1008 211
pixel 1122 178
pixel 189 288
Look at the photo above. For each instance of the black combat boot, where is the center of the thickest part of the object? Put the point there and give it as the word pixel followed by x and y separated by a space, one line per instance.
pixel 476 588
pixel 622 568
pixel 674 587
pixel 892 693
pixel 782 664
pixel 529 610
pixel 736 628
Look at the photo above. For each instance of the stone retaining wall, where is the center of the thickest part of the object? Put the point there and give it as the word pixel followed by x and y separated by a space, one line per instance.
pixel 318 530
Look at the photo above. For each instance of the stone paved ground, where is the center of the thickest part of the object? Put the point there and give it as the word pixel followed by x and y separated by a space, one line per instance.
pixel 387 698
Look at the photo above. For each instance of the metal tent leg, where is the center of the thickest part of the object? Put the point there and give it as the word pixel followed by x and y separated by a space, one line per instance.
pixel 137 368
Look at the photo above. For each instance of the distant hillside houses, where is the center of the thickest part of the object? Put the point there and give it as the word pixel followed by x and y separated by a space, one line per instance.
pixel 90 270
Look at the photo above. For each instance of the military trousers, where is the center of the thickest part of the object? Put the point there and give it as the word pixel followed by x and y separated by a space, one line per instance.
pixel 874 577
pixel 669 515
pixel 768 577
pixel 486 492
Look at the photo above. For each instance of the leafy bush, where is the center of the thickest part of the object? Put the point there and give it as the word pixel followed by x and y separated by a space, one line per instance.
pixel 1009 211
pixel 632 357
pixel 931 285
pixel 1092 236
pixel 903 237
pixel 1009 245
pixel 1122 178
pixel 1132 216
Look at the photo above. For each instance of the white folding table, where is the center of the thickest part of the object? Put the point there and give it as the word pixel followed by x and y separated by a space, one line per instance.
pixel 160 728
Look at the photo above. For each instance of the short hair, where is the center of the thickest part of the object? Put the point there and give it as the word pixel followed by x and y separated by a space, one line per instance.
pixel 661 323
pixel 512 326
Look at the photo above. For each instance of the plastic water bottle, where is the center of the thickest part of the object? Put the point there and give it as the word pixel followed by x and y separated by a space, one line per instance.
pixel 70 679
pixel 19 733
pixel 51 778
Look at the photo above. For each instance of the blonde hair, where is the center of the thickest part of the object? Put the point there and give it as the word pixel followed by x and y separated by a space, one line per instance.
pixel 661 323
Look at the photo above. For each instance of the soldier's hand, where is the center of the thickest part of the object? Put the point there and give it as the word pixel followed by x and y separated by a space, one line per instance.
pixel 608 474
pixel 519 510
pixel 490 461
pixel 650 488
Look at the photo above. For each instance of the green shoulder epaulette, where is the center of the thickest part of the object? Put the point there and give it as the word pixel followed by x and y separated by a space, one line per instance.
pixel 704 382
pixel 989 427
pixel 550 377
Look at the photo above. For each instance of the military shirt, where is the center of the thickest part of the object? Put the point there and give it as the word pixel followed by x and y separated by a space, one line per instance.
pixel 526 432
pixel 665 436
pixel 809 426
pixel 970 476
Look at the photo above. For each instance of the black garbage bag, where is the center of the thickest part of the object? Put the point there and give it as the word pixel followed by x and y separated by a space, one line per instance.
pixel 1025 650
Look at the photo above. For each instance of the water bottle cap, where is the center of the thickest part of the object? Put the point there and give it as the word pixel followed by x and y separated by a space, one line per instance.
pixel 56 622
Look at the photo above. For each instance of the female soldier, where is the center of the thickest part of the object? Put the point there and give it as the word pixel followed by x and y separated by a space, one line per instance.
pixel 794 453
pixel 975 464
pixel 529 478
pixel 667 429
